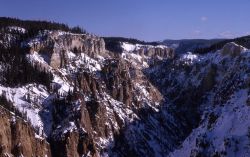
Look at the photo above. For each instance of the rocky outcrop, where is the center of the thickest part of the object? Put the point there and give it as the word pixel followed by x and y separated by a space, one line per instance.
pixel 76 144
pixel 53 46
pixel 56 59
pixel 157 51
pixel 147 51
pixel 72 133
pixel 99 118
pixel 122 82
pixel 232 49
pixel 118 81
pixel 154 51
pixel 17 138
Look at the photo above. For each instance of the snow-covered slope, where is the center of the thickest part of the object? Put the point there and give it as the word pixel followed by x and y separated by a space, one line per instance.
pixel 224 127
pixel 134 47
pixel 223 80
pixel 28 99
pixel 224 130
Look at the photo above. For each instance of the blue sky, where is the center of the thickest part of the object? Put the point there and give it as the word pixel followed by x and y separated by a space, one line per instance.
pixel 143 19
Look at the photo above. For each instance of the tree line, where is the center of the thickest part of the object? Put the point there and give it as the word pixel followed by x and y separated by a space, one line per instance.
pixel 33 27
pixel 244 41
pixel 17 71
pixel 113 43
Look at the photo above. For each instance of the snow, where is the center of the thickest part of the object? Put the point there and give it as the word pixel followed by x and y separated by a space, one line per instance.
pixel 141 61
pixel 142 89
pixel 19 29
pixel 161 46
pixel 144 96
pixel 135 59
pixel 59 75
pixel 233 124
pixel 189 58
pixel 71 127
pixel 92 64
pixel 33 42
pixel 13 118
pixel 63 84
pixel 28 99
pixel 61 33
pixel 128 47
pixel 7 155
pixel 36 58
pixel 38 137
pixel 70 55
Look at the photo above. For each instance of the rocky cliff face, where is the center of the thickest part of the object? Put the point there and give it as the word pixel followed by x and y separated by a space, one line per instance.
pixel 148 50
pixel 17 138
pixel 163 52
pixel 55 44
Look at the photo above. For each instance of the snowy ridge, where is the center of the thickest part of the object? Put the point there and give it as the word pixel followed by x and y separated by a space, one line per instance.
pixel 133 47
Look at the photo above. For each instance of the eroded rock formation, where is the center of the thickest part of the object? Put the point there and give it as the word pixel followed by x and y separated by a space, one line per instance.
pixel 17 138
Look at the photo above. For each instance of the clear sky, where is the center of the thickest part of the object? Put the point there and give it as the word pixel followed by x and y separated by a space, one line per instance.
pixel 143 19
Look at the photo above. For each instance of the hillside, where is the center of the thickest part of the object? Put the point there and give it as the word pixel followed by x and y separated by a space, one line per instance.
pixel 190 45
pixel 244 41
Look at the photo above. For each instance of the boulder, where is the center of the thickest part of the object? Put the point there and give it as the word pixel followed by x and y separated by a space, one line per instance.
pixel 232 49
